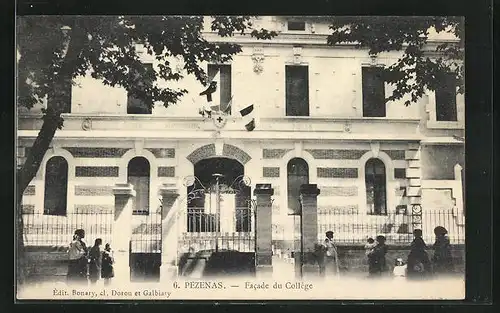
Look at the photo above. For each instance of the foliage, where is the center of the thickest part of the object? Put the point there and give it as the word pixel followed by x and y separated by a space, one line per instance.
pixel 55 47
pixel 53 50
pixel 423 64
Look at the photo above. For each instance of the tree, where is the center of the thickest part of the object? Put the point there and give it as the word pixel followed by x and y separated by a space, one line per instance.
pixel 423 64
pixel 53 50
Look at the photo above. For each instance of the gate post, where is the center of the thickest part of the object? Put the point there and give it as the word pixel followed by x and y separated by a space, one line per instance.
pixel 122 231
pixel 309 227
pixel 414 190
pixel 263 230
pixel 169 240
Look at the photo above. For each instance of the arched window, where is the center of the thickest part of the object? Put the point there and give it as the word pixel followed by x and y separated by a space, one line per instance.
pixel 375 180
pixel 138 177
pixel 297 175
pixel 56 186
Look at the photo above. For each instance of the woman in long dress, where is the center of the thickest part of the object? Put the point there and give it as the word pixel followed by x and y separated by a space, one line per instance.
pixel 442 259
pixel 107 271
pixel 95 261
pixel 77 254
pixel 419 265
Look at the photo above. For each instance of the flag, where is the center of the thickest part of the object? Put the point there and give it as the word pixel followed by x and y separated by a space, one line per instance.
pixel 212 87
pixel 213 92
pixel 250 125
pixel 247 115
pixel 227 109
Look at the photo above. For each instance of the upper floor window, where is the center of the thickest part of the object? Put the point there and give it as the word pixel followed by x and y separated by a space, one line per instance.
pixel 64 94
pixel 139 106
pixel 222 73
pixel 297 90
pixel 296 25
pixel 373 92
pixel 446 99
pixel 56 186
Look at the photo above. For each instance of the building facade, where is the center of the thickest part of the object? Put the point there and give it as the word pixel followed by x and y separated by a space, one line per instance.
pixel 320 118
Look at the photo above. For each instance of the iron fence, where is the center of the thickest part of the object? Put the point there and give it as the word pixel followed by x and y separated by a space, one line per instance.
pixel 146 233
pixel 233 230
pixel 57 230
pixel 354 227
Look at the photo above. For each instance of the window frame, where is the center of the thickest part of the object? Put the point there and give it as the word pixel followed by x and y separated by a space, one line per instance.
pixel 446 91
pixel 298 29
pixel 211 67
pixel 380 111
pixel 290 109
pixel 138 106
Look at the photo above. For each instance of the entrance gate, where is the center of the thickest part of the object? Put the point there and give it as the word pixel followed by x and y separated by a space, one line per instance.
pixel 145 247
pixel 217 234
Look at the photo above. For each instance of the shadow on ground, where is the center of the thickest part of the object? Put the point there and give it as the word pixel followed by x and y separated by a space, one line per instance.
pixel 208 263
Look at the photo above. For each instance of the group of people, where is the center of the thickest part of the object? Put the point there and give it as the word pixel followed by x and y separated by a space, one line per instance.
pixel 418 264
pixel 89 264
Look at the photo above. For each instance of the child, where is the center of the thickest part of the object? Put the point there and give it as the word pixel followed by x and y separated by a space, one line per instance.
pixel 399 268
pixel 370 244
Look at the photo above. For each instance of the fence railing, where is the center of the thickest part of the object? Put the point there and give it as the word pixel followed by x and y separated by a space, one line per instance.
pixel 353 227
pixel 228 230
pixel 146 233
pixel 57 230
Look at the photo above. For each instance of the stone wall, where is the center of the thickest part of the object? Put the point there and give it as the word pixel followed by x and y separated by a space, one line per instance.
pixel 46 263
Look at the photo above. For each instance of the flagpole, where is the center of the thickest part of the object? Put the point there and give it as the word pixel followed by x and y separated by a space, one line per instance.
pixel 217 208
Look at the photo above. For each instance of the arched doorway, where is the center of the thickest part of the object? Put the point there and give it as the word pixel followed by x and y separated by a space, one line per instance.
pixel 145 244
pixel 375 180
pixel 56 186
pixel 297 175
pixel 219 237
pixel 202 210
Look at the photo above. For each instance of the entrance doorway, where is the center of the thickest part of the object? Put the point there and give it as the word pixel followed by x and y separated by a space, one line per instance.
pixel 219 235
pixel 145 243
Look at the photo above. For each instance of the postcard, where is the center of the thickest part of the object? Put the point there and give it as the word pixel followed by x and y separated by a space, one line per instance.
pixel 240 158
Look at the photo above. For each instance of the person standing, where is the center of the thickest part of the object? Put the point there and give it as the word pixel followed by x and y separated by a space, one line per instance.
pixel 418 265
pixel 77 254
pixel 442 259
pixel 369 248
pixel 377 256
pixel 107 271
pixel 331 260
pixel 95 261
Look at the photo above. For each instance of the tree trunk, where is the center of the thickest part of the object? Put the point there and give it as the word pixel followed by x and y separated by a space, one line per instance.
pixel 20 255
pixel 52 120
pixel 25 175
